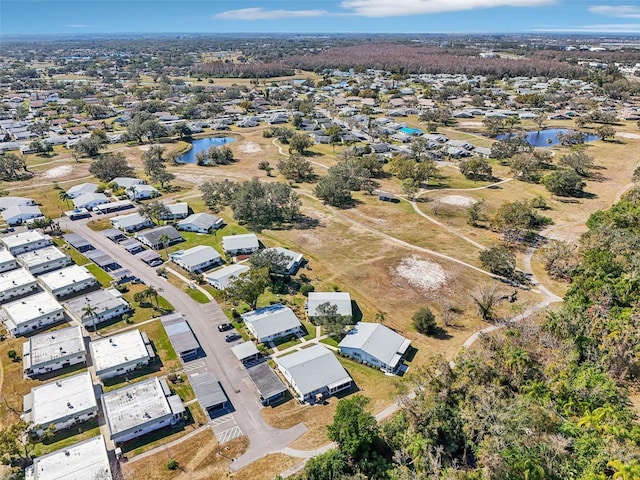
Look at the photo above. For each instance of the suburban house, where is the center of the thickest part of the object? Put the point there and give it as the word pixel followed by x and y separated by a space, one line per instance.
pixel 64 403
pixel 293 259
pixel 67 281
pixel 222 277
pixel 272 322
pixel 196 259
pixel 126 182
pixel 43 260
pixel 240 244
pixel 140 408
pixel 314 373
pixel 78 190
pixel 90 200
pixel 131 222
pixel 155 238
pixel 21 213
pixel 142 192
pixel 120 354
pixel 200 223
pixel 16 283
pixel 342 300
pixel 176 211
pixel 96 307
pixel 55 350
pixel 26 241
pixel 376 345
pixel 6 202
pixel 7 261
pixel 83 460
pixel 31 313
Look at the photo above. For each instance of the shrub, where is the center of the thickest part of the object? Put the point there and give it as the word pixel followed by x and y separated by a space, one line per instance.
pixel 305 289
pixel 171 464
pixel 13 355
pixel 499 260
pixel 424 321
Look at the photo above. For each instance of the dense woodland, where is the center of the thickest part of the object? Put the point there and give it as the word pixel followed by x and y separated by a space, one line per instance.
pixel 536 401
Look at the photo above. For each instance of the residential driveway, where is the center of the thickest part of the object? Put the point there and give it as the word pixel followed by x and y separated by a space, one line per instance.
pixel 203 319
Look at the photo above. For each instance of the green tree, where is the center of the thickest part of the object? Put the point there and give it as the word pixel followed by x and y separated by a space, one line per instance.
pixel 330 465
pixel 327 316
pixel 499 260
pixel 564 183
pixel 335 191
pixel 606 131
pixel 424 321
pixel 153 159
pixel 155 210
pixel 249 286
pixel 13 167
pixel 266 166
pixel 16 444
pixel 476 168
pixel 111 165
pixel 579 161
pixel 296 168
pixel 299 143
pixel 64 196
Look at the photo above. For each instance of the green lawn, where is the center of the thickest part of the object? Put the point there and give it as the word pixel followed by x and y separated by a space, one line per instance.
pixel 197 295
pixel 68 437
pixel 330 341
pixel 140 313
pixel 214 240
pixel 103 277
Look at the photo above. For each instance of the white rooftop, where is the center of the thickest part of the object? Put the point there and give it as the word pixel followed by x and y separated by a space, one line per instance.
pixel 341 299
pixel 314 368
pixel 245 350
pixel 33 306
pixel 42 255
pixel 14 278
pixel 134 405
pixel 117 350
pixel 240 242
pixel 56 400
pixel 5 256
pixel 271 320
pixel 23 238
pixel 65 277
pixel 378 341
pixel 129 219
pixel 195 255
pixel 50 346
pixel 80 461
pixel 224 276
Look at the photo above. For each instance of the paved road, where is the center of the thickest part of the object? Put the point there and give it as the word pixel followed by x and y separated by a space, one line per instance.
pixel 218 357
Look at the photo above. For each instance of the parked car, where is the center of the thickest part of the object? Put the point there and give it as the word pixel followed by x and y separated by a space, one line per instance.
pixel 232 337
pixel 223 327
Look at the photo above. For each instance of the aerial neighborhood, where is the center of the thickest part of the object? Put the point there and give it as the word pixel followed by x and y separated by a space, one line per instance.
pixel 209 247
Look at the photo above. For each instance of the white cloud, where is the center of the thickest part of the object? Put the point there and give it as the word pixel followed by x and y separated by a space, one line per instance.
pixel 597 28
pixel 262 14
pixel 387 8
pixel 622 11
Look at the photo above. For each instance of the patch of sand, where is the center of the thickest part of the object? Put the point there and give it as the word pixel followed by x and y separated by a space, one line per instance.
pixel 627 135
pixel 189 178
pixel 421 273
pixel 458 200
pixel 249 147
pixel 57 172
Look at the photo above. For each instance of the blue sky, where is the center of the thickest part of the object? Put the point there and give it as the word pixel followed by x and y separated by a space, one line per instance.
pixel 318 16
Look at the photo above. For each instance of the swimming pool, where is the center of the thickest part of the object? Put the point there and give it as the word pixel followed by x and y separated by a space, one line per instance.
pixel 411 131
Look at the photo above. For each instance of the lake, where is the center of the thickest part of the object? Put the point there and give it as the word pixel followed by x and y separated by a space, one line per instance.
pixel 547 138
pixel 203 144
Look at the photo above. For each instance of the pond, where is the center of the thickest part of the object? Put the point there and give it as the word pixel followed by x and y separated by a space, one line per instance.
pixel 203 144
pixel 547 138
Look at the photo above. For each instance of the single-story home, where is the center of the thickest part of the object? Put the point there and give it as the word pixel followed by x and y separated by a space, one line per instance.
pixel 272 322
pixel 342 300
pixel 175 211
pixel 222 277
pixel 200 223
pixel 314 373
pixel 90 200
pixel 240 244
pixel 376 345
pixel 132 222
pixel 19 214
pixel 160 237
pixel 196 259
pixel 126 182
pixel 142 192
pixel 6 202
pixel 81 189
pixel 293 259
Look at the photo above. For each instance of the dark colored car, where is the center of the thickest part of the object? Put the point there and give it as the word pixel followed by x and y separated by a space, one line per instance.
pixel 223 327
pixel 232 337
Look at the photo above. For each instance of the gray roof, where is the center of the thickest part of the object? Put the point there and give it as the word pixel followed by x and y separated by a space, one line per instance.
pixel 148 255
pixel 205 221
pixel 195 256
pixel 153 236
pixel 240 242
pixel 266 381
pixel 179 332
pixel 101 300
pixel 378 341
pixel 76 241
pixel 113 234
pixel 207 390
pixel 245 350
pixel 291 256
pixel 130 220
pixel 131 244
pixel 314 368
pixel 271 320
pixel 100 258
pixel 341 299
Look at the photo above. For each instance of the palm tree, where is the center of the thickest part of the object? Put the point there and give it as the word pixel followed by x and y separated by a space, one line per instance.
pixel 89 311
pixel 64 196
pixel 164 240
pixel 151 293
pixel 381 317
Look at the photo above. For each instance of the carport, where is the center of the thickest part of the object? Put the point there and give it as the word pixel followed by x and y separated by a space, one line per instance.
pixel 182 338
pixel 269 385
pixel 101 259
pixel 78 242
pixel 150 257
pixel 208 391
